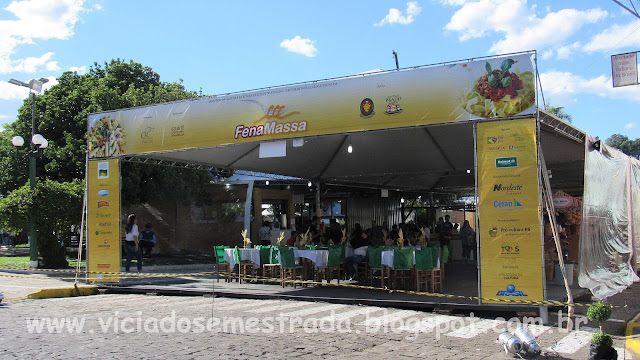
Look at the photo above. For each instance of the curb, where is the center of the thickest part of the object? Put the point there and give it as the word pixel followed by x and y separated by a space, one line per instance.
pixel 84 290
pixel 633 341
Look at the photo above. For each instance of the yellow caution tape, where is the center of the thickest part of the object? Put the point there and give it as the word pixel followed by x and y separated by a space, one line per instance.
pixel 231 276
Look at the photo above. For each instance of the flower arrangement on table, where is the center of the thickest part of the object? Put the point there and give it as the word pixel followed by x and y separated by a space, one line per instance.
pixel 400 239
pixel 304 238
pixel 423 237
pixel 344 236
pixel 245 239
pixel 281 238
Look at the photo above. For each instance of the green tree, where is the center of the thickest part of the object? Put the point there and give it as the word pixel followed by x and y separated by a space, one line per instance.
pixel 61 117
pixel 56 206
pixel 559 112
pixel 624 144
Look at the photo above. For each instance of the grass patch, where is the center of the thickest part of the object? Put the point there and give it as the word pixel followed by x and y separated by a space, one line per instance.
pixel 14 261
pixel 23 261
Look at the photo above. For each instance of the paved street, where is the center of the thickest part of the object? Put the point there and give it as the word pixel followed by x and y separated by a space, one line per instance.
pixel 139 326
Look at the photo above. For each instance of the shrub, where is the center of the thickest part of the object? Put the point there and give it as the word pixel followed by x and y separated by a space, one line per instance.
pixel 602 338
pixel 599 311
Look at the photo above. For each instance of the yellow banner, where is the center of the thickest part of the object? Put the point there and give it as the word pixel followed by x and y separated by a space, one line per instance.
pixel 496 87
pixel 103 224
pixel 509 211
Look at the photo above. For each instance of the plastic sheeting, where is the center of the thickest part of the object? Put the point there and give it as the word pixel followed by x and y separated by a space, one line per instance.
pixel 606 245
pixel 635 208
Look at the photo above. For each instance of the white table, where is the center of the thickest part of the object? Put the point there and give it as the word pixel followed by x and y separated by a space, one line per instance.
pixel 251 254
pixel 319 257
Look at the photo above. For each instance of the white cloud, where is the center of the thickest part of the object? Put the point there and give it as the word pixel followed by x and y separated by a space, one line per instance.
pixel 521 27
pixel 395 16
pixel 565 52
pixel 612 36
pixel 298 45
pixel 3 116
pixel 565 86
pixel 79 69
pixel 52 66
pixel 35 20
pixel 629 126
pixel 453 2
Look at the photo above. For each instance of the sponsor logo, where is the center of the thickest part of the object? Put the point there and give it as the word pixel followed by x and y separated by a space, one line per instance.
pixel 146 136
pixel 515 230
pixel 510 187
pixel 104 232
pixel 104 224
pixel 393 105
pixel 278 112
pixel 271 126
pixel 511 291
pixel 507 162
pixel 562 202
pixel 506 204
pixel 104 266
pixel 510 250
pixel 507 231
pixel 103 170
pixel 495 139
pixel 103 192
pixel 100 215
pixel 366 108
pixel 103 203
pixel 270 129
pixel 517 147
pixel 177 131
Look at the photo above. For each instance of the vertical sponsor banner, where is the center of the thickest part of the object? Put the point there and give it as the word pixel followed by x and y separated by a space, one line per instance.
pixel 103 220
pixel 509 211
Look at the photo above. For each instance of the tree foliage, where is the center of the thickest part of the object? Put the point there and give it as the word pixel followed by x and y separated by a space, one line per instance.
pixel 624 144
pixel 559 112
pixel 55 206
pixel 61 114
pixel 61 117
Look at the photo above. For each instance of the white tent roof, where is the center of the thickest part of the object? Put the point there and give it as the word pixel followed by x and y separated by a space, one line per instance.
pixel 427 158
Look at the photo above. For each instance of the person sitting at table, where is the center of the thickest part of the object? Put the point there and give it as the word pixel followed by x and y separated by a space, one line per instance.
pixel 315 230
pixel 359 243
pixel 335 232
pixel 375 234
pixel 392 238
pixel 293 239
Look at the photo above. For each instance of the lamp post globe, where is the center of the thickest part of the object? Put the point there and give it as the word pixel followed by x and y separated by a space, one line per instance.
pixel 17 141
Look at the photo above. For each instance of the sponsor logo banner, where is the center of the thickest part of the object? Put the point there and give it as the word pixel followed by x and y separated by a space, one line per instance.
pixel 103 235
pixel 429 95
pixel 509 210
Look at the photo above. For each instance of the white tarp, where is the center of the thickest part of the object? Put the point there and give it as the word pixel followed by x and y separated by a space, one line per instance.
pixel 606 244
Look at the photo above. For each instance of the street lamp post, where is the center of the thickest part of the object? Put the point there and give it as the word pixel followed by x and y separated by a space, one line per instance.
pixel 37 142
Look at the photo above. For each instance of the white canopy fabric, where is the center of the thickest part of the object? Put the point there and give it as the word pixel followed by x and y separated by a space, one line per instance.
pixel 428 158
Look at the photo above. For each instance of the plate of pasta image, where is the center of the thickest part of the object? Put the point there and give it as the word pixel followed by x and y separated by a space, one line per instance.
pixel 500 92
pixel 106 138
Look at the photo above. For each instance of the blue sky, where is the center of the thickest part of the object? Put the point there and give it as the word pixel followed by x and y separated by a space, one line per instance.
pixel 226 46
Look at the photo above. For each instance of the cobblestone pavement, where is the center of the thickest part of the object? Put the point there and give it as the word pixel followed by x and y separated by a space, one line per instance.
pixel 139 326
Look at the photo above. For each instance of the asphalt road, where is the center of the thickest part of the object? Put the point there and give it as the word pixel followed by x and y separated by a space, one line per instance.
pixel 141 326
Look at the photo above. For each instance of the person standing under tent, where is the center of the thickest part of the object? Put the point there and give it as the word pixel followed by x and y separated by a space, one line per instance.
pixel 132 246
pixel 445 234
pixel 265 234
pixel 468 237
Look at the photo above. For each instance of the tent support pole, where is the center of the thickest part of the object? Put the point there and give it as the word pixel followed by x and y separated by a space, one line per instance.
pixel 247 208
pixel 475 176
pixel 318 208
